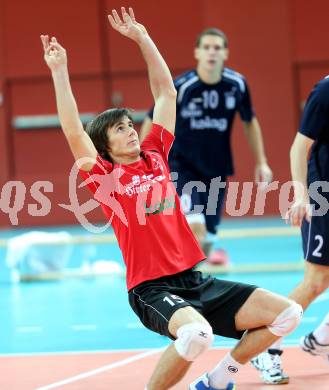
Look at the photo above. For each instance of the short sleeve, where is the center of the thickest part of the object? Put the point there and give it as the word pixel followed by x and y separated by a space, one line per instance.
pixel 245 109
pixel 315 115
pixel 158 140
pixel 101 167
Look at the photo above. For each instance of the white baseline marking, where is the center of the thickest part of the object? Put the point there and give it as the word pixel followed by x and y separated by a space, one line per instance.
pixel 135 325
pixel 99 370
pixel 29 329
pixel 81 327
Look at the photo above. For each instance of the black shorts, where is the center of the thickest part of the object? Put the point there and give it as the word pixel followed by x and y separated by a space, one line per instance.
pixel 155 301
pixel 315 234
pixel 315 237
pixel 202 199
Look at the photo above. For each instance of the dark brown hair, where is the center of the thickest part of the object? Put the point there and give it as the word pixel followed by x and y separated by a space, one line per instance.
pixel 212 31
pixel 97 128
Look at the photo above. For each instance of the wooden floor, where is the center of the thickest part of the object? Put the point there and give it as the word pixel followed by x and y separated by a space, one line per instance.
pixel 130 370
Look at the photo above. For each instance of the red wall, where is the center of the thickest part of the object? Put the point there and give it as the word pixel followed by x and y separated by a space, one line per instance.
pixel 3 133
pixel 280 45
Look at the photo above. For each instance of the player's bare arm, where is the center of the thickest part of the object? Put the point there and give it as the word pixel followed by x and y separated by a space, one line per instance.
pixel 145 128
pixel 263 172
pixel 162 86
pixel 298 162
pixel 81 146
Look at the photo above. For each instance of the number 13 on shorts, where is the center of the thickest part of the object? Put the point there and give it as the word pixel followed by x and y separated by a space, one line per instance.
pixel 173 299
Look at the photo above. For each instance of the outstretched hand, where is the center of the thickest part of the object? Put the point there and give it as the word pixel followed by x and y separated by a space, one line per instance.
pixel 127 25
pixel 54 53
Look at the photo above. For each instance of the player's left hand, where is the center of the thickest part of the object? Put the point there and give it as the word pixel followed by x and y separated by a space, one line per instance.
pixel 127 25
pixel 263 174
pixel 54 54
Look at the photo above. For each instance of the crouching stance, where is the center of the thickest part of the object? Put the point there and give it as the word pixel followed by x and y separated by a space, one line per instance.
pixel 206 307
pixel 158 247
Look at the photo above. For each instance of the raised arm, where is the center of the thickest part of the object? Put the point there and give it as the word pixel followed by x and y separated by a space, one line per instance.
pixel 145 128
pixel 161 83
pixel 79 141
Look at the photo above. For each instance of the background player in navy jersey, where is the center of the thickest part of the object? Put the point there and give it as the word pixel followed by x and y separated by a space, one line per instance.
pixel 159 250
pixel 207 101
pixel 310 172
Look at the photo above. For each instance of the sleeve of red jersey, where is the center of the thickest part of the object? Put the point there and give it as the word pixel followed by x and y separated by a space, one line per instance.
pixel 101 167
pixel 158 140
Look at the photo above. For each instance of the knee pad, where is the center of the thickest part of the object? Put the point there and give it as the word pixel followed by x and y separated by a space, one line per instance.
pixel 287 321
pixel 193 339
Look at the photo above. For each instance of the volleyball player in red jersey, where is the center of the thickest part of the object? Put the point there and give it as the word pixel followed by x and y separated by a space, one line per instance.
pixel 133 185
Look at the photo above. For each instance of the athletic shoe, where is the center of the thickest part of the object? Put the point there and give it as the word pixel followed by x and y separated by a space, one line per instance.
pixel 269 366
pixel 310 345
pixel 218 257
pixel 202 383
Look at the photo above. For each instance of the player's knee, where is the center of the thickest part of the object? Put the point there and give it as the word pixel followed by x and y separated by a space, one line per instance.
pixel 287 321
pixel 193 339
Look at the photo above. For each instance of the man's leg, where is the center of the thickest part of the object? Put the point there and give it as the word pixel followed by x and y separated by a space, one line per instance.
pixel 199 230
pixel 272 314
pixel 268 316
pixel 202 202
pixel 214 200
pixel 190 189
pixel 171 367
pixel 169 370
pixel 315 281
pixel 205 238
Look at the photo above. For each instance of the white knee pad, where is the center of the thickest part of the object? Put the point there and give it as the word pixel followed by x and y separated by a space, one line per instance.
pixel 287 321
pixel 193 339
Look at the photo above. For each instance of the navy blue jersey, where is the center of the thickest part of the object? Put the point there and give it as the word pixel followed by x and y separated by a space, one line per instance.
pixel 205 114
pixel 315 125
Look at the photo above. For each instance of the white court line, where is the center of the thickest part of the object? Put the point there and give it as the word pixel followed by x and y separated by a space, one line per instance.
pixel 217 345
pixel 82 352
pixel 135 325
pixel 82 327
pixel 29 329
pixel 99 370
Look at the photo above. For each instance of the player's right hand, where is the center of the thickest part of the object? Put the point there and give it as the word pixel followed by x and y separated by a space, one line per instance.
pixel 299 210
pixel 127 24
pixel 54 53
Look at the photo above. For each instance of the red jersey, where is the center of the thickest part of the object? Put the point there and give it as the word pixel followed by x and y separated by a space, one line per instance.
pixel 144 209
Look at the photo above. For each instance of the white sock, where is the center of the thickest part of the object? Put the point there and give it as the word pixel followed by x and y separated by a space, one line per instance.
pixel 277 344
pixel 321 333
pixel 226 369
